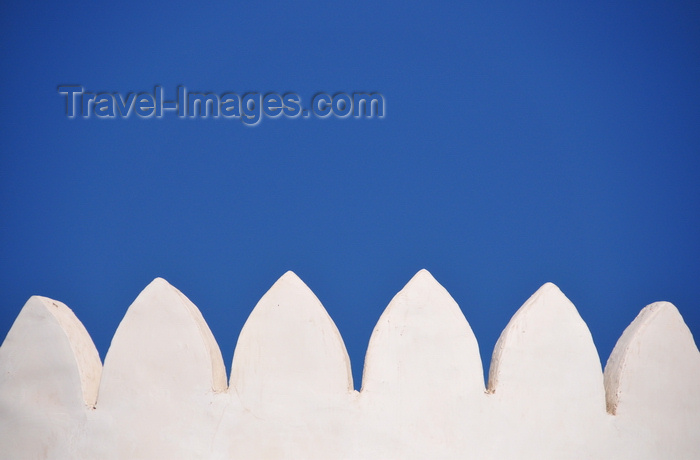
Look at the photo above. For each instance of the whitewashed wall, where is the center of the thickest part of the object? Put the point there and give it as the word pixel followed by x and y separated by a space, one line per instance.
pixel 162 392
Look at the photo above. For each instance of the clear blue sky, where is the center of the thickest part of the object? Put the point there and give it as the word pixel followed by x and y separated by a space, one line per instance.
pixel 522 143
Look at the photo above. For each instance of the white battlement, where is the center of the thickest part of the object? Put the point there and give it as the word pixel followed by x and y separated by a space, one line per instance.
pixel 162 392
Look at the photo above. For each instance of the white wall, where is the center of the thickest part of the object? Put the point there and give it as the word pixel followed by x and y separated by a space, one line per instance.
pixel 162 393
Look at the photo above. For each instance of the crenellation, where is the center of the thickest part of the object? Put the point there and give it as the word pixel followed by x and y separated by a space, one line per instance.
pixel 163 390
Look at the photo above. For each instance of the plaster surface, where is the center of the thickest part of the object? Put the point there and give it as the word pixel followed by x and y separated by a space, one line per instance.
pixel 162 392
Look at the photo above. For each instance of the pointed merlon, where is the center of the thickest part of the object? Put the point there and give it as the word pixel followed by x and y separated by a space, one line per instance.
pixel 655 366
pixel 162 346
pixel 48 345
pixel 289 349
pixel 423 345
pixel 49 374
pixel 546 355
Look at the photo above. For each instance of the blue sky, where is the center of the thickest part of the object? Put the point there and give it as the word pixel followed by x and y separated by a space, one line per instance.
pixel 522 143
